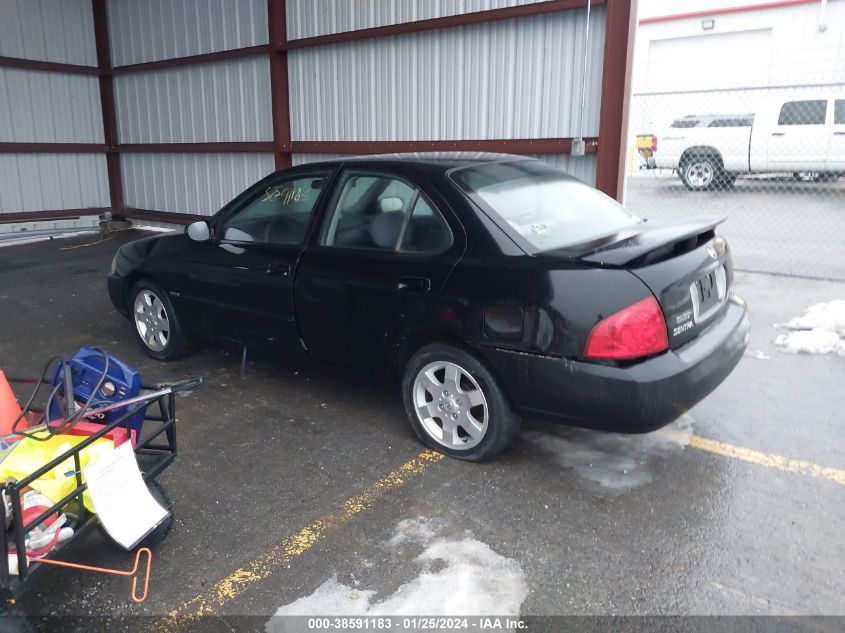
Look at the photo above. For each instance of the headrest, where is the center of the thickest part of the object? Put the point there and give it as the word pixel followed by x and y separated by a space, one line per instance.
pixel 386 205
pixel 385 228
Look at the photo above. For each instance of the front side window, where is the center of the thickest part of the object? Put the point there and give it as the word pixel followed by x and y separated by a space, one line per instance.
pixel 544 206
pixel 803 112
pixel 277 213
pixel 381 212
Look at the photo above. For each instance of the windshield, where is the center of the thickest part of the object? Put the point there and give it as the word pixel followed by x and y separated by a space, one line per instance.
pixel 544 206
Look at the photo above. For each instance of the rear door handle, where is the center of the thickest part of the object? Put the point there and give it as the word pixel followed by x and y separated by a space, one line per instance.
pixel 279 269
pixel 414 284
pixel 839 133
pixel 778 133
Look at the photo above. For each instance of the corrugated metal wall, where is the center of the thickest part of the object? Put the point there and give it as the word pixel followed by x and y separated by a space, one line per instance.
pixel 220 102
pixel 507 79
pixel 50 107
pixel 516 78
pixel 151 30
pixel 38 182
pixel 189 183
pixel 48 30
pixel 309 18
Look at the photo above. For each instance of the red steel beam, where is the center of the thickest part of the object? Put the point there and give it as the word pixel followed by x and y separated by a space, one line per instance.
pixel 511 146
pixel 620 24
pixel 52 148
pixel 195 148
pixel 54 67
pixel 202 58
pixel 57 214
pixel 160 216
pixel 478 17
pixel 279 84
pixel 101 36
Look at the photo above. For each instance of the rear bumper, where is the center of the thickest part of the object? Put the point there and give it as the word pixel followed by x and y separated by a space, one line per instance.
pixel 644 396
pixel 117 294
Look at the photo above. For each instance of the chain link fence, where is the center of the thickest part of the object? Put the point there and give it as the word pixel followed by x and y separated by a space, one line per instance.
pixel 770 159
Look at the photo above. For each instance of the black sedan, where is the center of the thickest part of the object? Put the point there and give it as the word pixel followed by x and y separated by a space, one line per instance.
pixel 490 286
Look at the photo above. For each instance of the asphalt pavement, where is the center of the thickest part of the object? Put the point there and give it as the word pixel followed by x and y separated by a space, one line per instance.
pixel 302 486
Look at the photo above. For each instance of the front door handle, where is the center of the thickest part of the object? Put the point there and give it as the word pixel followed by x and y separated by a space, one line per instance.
pixel 839 133
pixel 778 133
pixel 414 284
pixel 279 269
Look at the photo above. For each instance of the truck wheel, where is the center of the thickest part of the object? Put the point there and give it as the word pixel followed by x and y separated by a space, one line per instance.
pixel 155 537
pixel 700 172
pixel 455 405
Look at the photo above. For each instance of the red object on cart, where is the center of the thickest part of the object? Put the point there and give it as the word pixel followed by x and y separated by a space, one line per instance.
pixel 10 410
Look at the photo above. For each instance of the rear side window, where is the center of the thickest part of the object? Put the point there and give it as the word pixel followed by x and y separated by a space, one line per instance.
pixel 684 123
pixel 382 212
pixel 730 123
pixel 839 112
pixel 546 208
pixel 803 112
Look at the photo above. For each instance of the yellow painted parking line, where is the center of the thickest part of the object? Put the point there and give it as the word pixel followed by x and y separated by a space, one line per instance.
pixel 778 462
pixel 280 554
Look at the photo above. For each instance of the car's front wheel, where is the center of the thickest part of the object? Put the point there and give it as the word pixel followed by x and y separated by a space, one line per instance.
pixel 156 324
pixel 455 404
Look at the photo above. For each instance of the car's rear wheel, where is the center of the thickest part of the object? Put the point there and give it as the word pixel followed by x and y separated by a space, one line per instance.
pixel 700 172
pixel 156 324
pixel 455 404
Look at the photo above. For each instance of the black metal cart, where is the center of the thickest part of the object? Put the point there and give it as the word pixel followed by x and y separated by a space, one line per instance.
pixel 155 449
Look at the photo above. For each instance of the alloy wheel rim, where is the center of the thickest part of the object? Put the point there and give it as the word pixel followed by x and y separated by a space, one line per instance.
pixel 700 174
pixel 151 321
pixel 450 405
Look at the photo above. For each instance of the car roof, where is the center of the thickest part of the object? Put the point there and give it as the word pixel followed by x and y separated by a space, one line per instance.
pixel 442 160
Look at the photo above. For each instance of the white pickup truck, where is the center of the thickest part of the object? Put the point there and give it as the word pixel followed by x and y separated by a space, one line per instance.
pixel 805 135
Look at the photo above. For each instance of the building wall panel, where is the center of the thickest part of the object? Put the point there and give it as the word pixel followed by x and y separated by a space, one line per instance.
pixel 151 30
pixel 47 107
pixel 48 30
pixel 309 18
pixel 189 183
pixel 516 78
pixel 39 182
pixel 221 101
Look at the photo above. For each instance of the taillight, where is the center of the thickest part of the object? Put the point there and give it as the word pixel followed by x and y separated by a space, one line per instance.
pixel 633 332
pixel 653 143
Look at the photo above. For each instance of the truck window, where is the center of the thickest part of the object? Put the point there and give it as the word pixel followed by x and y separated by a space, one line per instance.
pixel 739 122
pixel 684 123
pixel 839 112
pixel 803 112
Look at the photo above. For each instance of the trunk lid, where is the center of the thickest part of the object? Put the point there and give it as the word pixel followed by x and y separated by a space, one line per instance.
pixel 687 268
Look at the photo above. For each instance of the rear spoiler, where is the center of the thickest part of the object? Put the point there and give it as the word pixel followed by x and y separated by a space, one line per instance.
pixel 648 243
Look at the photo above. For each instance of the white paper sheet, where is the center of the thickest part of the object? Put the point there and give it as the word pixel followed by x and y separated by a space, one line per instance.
pixel 123 503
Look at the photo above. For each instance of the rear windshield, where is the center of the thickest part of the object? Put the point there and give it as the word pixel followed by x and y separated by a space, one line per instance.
pixel 544 206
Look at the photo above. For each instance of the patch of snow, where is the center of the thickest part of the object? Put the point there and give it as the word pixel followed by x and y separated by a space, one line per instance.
pixel 31 239
pixel 457 577
pixel 820 331
pixel 613 462
pixel 758 354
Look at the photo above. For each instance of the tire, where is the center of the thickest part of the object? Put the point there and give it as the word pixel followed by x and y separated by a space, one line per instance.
pixel 700 172
pixel 155 322
pixel 430 394
pixel 14 620
pixel 155 537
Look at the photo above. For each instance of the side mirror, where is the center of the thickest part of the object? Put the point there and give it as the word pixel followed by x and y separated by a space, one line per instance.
pixel 199 231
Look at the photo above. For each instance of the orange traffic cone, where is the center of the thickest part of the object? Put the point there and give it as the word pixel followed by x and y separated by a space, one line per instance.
pixel 10 410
